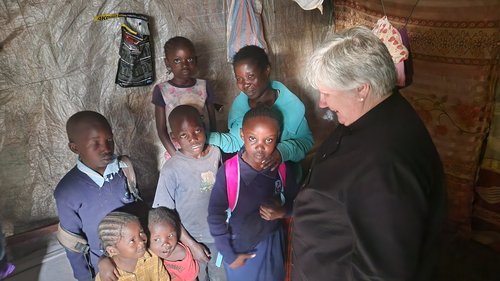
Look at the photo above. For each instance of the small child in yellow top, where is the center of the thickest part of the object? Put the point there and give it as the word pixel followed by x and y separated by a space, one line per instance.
pixel 124 240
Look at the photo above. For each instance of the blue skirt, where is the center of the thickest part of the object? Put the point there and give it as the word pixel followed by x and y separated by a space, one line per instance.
pixel 268 263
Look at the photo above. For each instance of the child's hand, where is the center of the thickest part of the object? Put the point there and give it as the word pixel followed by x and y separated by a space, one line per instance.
pixel 200 252
pixel 241 260
pixel 107 269
pixel 167 155
pixel 272 211
pixel 273 161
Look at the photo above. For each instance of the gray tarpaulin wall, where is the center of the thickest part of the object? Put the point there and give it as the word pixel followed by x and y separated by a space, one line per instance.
pixel 56 60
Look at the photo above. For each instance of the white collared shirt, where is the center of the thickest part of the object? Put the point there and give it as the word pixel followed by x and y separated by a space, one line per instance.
pixel 112 169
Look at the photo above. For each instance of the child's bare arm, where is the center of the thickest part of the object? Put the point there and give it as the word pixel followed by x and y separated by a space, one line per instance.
pixel 199 251
pixel 107 269
pixel 161 128
pixel 241 260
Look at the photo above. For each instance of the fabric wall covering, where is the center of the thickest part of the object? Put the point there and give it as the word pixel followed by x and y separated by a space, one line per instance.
pixel 455 47
pixel 56 60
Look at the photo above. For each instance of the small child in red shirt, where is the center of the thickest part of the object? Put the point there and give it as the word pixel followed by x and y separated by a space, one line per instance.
pixel 165 228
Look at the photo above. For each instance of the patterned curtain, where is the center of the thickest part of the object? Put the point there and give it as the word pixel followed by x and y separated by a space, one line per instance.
pixel 455 47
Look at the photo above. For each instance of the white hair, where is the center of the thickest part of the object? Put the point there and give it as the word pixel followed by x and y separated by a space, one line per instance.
pixel 351 58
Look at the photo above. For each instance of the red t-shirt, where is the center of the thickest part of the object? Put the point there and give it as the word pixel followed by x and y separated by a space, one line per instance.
pixel 183 270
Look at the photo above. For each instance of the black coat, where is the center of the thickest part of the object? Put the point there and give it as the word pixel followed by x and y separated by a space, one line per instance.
pixel 373 205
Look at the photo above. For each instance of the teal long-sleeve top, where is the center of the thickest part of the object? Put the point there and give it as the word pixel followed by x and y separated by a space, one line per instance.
pixel 296 137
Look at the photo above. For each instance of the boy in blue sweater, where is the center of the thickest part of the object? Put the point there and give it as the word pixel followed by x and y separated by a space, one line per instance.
pixel 90 190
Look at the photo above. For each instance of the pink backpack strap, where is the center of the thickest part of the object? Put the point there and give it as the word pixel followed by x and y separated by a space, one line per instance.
pixel 282 173
pixel 232 181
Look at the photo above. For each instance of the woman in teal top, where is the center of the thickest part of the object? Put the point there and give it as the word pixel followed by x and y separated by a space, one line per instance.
pixel 252 69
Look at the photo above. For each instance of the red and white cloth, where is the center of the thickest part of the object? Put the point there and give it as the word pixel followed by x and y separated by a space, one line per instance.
pixel 391 37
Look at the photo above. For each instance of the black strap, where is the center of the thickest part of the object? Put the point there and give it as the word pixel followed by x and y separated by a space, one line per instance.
pixel 411 13
pixel 407 18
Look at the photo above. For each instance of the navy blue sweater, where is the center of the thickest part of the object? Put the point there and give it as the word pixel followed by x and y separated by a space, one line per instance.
pixel 246 228
pixel 81 205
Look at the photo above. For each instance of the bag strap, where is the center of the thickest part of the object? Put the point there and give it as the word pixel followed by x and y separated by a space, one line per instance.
pixel 120 15
pixel 232 170
pixel 75 243
pixel 71 241
pixel 282 173
pixel 128 170
pixel 411 13
pixel 407 18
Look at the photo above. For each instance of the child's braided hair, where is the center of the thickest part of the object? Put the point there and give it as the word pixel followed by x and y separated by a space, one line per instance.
pixel 111 226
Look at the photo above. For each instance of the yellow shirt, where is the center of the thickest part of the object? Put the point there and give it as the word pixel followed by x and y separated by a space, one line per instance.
pixel 148 268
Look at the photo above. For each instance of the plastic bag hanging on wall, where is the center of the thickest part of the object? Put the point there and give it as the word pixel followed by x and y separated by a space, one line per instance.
pixel 135 66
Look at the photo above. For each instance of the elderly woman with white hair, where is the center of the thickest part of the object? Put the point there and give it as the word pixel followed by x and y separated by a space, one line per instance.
pixel 373 205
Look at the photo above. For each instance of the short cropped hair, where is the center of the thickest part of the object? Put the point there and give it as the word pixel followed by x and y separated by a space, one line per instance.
pixel 264 111
pixel 165 215
pixel 351 58
pixel 176 42
pixel 183 112
pixel 86 116
pixel 254 54
pixel 111 227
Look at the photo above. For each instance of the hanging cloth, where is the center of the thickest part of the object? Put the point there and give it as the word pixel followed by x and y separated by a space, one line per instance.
pixel 244 26
pixel 398 43
pixel 310 4
pixel 391 37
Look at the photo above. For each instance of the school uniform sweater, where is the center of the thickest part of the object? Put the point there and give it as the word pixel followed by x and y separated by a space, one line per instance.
pixel 246 228
pixel 81 205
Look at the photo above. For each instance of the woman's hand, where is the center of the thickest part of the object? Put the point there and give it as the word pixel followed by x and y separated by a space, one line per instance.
pixel 107 269
pixel 272 212
pixel 273 161
pixel 241 260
